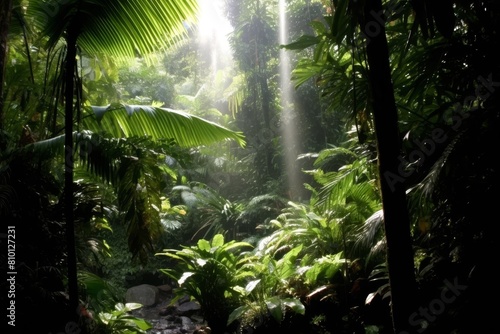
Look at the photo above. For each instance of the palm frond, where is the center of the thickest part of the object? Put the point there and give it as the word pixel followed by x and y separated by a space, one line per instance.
pixel 139 198
pixel 96 153
pixel 7 198
pixel 121 120
pixel 117 28
pixel 369 233
pixel 333 158
pixel 101 294
pixel 369 238
pixel 140 121
pixel 47 148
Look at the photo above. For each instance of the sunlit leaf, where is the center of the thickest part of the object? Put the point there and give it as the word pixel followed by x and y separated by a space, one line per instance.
pixel 251 285
pixel 133 306
pixel 184 277
pixel 142 324
pixel 204 244
pixel 295 304
pixel 121 120
pixel 122 29
pixel 218 240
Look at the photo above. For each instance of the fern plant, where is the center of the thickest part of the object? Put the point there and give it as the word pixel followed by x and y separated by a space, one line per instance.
pixel 120 321
pixel 209 272
pixel 270 296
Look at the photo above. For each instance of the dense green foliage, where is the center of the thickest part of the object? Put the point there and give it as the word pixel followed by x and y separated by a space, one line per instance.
pixel 209 273
pixel 179 172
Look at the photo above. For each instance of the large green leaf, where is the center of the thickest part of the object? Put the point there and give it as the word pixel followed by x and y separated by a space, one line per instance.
pixel 187 130
pixel 275 307
pixel 303 42
pixel 122 28
pixel 295 304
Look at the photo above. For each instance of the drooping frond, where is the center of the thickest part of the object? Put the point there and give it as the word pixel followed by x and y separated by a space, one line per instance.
pixel 336 186
pixel 187 130
pixel 370 235
pixel 97 154
pixel 122 121
pixel 117 28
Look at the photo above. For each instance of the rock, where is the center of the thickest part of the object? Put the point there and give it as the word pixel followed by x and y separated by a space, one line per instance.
pixel 166 316
pixel 186 321
pixel 187 325
pixel 184 299
pixel 165 288
pixel 144 294
pixel 188 308
pixel 197 318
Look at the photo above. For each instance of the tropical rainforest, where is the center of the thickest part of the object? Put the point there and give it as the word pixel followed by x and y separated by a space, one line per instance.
pixel 331 168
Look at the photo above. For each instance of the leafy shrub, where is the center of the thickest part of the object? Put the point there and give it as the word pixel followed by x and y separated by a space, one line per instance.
pixel 209 272
pixel 120 321
pixel 271 296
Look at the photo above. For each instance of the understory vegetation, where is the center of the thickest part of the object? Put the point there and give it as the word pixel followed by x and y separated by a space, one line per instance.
pixel 133 150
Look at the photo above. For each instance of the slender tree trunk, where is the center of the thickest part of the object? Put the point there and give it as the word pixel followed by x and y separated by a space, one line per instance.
pixel 396 218
pixel 5 15
pixel 68 172
pixel 266 112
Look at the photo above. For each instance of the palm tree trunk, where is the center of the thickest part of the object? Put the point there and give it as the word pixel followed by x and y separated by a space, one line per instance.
pixel 68 171
pixel 5 15
pixel 396 218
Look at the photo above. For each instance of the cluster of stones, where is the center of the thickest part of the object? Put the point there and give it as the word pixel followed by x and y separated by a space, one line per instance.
pixel 180 317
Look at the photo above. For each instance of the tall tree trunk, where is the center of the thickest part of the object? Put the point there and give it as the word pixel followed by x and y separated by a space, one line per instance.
pixel 70 65
pixel 396 218
pixel 5 15
pixel 266 112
